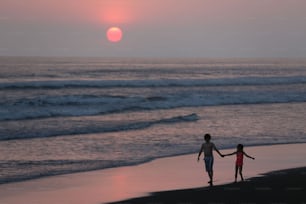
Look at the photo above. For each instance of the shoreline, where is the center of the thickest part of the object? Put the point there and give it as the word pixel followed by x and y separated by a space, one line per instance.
pixel 164 174
pixel 135 164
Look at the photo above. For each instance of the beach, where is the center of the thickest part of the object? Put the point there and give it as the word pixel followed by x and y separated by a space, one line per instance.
pixel 171 174
pixel 285 186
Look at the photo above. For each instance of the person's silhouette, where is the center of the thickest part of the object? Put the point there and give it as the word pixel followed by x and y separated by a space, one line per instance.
pixel 239 160
pixel 207 147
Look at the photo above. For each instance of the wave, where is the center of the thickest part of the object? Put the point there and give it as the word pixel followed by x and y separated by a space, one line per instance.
pixel 91 128
pixel 89 105
pixel 58 84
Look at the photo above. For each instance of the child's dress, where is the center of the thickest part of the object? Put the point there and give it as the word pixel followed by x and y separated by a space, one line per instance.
pixel 239 159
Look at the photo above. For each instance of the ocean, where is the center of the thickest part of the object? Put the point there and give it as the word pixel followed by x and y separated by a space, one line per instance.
pixel 65 115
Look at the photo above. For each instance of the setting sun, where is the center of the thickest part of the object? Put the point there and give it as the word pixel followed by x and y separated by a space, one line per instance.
pixel 114 34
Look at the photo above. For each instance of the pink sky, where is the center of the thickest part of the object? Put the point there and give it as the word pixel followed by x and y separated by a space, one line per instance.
pixel 157 28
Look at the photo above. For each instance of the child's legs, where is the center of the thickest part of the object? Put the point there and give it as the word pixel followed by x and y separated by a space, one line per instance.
pixel 209 162
pixel 236 171
pixel 211 174
pixel 240 172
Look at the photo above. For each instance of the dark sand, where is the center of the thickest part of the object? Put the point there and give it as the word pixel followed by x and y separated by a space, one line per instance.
pixel 172 173
pixel 277 187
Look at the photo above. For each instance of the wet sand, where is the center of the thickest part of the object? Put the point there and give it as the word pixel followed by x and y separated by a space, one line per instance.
pixel 165 174
pixel 281 187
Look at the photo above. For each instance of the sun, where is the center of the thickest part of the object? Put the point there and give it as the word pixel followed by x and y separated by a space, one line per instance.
pixel 114 34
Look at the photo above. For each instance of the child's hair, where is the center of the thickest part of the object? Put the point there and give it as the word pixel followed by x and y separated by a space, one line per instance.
pixel 239 147
pixel 207 137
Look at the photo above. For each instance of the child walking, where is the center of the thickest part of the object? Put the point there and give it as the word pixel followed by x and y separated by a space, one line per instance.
pixel 239 160
pixel 208 148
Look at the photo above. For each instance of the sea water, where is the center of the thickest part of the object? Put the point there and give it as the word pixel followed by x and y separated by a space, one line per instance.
pixel 65 115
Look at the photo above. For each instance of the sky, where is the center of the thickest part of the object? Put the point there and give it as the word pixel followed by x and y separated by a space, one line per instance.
pixel 154 28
